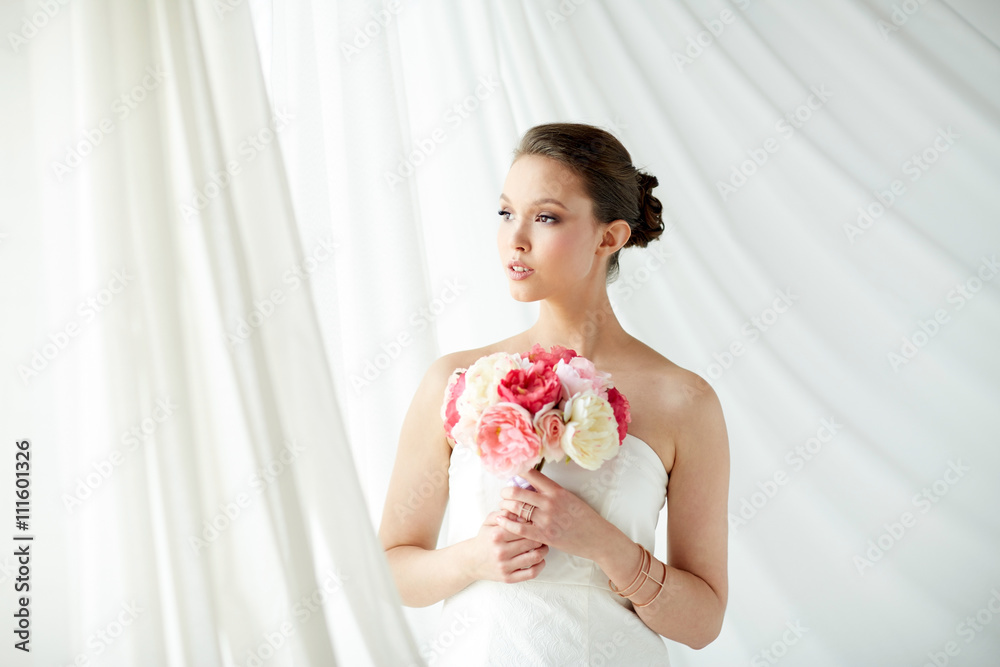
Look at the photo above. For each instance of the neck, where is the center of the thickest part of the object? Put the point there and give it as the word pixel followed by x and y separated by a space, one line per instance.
pixel 588 326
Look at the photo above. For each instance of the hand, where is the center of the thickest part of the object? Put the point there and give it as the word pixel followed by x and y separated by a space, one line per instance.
pixel 499 555
pixel 561 519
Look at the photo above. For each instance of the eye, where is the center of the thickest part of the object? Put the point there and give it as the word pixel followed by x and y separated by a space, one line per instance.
pixel 551 220
pixel 502 213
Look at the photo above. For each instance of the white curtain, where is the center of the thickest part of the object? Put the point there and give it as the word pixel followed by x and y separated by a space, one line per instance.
pixel 193 496
pixel 220 302
pixel 770 287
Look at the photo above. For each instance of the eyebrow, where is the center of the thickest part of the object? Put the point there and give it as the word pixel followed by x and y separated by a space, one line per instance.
pixel 546 200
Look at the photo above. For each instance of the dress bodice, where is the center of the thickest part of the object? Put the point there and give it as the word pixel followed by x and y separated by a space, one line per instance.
pixel 628 490
pixel 567 615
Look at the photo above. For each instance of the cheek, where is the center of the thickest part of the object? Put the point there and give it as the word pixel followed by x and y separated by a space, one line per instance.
pixel 572 250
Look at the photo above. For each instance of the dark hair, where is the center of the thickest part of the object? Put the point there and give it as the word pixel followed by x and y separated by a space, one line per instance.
pixel 616 187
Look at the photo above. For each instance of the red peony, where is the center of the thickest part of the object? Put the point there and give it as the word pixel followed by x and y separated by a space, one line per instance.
pixel 456 385
pixel 531 389
pixel 546 359
pixel 619 404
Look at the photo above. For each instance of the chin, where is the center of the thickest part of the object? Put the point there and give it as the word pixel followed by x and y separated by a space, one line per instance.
pixel 524 296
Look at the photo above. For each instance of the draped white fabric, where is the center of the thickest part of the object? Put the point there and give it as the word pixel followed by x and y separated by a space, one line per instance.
pixel 194 500
pixel 845 397
pixel 224 278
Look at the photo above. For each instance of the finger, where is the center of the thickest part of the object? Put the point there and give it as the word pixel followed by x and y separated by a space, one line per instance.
pixel 529 558
pixel 517 557
pixel 519 529
pixel 526 573
pixel 522 545
pixel 507 514
pixel 540 481
pixel 541 551
pixel 494 522
pixel 519 494
pixel 515 509
pixel 493 519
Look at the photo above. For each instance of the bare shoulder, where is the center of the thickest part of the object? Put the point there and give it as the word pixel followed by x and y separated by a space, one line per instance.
pixel 465 358
pixel 440 371
pixel 672 407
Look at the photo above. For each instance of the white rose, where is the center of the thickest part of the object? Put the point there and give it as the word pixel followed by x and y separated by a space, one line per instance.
pixel 591 435
pixel 481 382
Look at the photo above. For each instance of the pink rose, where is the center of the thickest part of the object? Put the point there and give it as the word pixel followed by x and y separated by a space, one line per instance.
pixel 506 439
pixel 549 426
pixel 541 358
pixel 619 405
pixel 530 389
pixel 579 375
pixel 449 410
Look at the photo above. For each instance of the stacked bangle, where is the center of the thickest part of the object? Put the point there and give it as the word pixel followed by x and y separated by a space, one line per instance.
pixel 646 560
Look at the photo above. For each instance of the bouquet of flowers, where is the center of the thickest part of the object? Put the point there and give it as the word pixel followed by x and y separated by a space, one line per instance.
pixel 517 411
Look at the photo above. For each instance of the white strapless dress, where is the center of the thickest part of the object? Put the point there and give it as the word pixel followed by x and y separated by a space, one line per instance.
pixel 568 614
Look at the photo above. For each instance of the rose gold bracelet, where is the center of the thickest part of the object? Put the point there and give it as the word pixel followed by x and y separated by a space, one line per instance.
pixel 659 583
pixel 643 570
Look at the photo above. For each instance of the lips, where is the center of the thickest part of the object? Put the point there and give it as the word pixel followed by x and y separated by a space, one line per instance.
pixel 518 270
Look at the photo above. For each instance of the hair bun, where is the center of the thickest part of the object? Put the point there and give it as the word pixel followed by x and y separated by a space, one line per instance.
pixel 649 226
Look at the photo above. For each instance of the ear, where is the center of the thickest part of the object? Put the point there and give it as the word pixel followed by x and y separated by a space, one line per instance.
pixel 616 235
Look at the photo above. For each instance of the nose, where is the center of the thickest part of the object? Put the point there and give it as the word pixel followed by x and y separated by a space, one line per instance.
pixel 518 236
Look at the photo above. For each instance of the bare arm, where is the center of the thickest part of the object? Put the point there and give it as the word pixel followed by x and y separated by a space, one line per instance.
pixel 415 506
pixel 692 604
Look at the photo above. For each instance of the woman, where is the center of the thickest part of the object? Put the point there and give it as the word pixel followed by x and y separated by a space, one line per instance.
pixel 529 576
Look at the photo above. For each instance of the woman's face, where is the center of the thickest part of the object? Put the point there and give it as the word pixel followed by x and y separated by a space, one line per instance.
pixel 547 224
